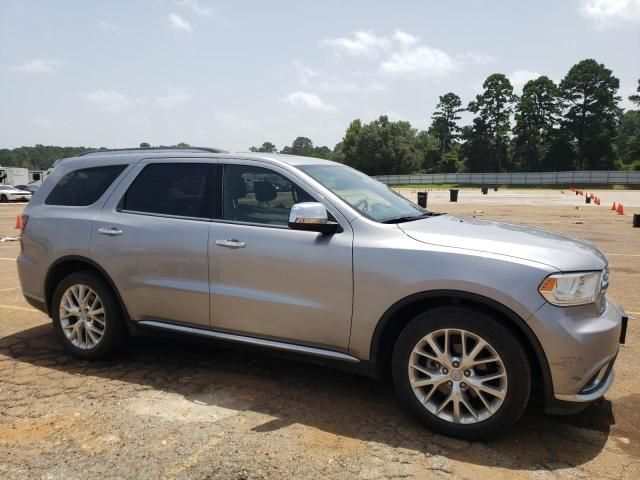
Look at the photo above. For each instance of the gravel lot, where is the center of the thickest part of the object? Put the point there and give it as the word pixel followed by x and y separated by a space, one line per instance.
pixel 169 408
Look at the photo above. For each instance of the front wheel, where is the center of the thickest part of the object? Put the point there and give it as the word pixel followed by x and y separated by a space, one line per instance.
pixel 461 372
pixel 3 199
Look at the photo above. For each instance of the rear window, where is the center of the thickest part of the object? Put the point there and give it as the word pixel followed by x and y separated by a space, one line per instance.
pixel 83 187
pixel 170 189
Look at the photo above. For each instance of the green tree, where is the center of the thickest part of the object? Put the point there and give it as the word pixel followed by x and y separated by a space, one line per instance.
pixel 266 147
pixel 429 149
pixel 493 109
pixel 475 152
pixel 591 113
pixel 300 146
pixel 628 138
pixel 381 147
pixel 145 145
pixel 636 98
pixel 561 154
pixel 536 117
pixel 444 125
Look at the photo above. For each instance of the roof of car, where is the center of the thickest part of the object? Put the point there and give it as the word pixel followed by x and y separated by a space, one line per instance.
pixel 133 155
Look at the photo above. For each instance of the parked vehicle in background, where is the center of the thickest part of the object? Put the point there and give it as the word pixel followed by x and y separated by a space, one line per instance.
pixel 9 193
pixel 28 188
pixel 14 176
pixel 311 257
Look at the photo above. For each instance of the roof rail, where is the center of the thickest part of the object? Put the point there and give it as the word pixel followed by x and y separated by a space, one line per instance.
pixel 152 149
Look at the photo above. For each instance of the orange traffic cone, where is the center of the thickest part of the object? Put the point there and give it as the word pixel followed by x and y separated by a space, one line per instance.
pixel 18 222
pixel 613 207
pixel 620 209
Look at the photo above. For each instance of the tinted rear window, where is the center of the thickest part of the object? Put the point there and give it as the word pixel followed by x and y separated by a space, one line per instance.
pixel 83 187
pixel 177 189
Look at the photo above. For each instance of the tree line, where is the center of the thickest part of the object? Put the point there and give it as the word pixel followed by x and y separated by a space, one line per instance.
pixel 574 125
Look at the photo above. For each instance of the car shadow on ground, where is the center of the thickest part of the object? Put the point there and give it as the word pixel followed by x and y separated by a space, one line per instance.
pixel 293 392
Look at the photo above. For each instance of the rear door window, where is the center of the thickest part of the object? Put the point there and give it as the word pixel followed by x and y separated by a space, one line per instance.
pixel 174 189
pixel 83 187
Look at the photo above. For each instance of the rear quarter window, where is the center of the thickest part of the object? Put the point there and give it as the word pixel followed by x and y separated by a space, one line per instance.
pixel 83 187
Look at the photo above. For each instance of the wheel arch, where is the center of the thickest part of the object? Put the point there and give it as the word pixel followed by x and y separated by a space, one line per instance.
pixel 402 312
pixel 73 263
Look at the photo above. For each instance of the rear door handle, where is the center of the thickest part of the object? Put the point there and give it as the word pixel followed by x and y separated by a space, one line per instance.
pixel 113 231
pixel 230 243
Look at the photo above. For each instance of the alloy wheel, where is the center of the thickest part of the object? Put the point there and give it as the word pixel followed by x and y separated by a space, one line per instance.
pixel 457 376
pixel 82 316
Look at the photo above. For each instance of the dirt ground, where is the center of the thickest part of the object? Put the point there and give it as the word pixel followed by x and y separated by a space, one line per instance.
pixel 167 408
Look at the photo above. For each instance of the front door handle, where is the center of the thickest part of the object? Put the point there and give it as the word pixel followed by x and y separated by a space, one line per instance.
pixel 113 231
pixel 230 243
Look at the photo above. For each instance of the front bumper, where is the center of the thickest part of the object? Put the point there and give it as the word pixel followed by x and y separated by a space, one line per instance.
pixel 581 346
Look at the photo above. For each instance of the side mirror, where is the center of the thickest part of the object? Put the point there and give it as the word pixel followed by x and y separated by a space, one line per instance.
pixel 313 217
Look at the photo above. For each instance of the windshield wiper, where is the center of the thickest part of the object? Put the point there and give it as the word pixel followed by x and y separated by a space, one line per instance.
pixel 411 218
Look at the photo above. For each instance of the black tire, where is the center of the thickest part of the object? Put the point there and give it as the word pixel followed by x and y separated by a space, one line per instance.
pixel 503 342
pixel 4 199
pixel 115 332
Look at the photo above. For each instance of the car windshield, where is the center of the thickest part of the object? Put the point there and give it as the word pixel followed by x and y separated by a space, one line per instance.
pixel 371 198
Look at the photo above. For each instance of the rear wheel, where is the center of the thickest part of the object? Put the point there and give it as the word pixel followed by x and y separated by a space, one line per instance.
pixel 87 316
pixel 461 372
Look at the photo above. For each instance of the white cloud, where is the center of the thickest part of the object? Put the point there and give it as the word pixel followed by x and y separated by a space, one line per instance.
pixel 475 58
pixel 520 77
pixel 197 8
pixel 37 65
pixel 107 100
pixel 107 26
pixel 305 73
pixel 173 98
pixel 233 120
pixel 404 55
pixel 40 122
pixel 405 39
pixel 309 77
pixel 605 13
pixel 336 84
pixel 310 101
pixel 361 44
pixel 176 22
pixel 420 62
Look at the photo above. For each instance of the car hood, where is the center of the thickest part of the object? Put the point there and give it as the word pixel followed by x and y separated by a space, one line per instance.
pixel 553 249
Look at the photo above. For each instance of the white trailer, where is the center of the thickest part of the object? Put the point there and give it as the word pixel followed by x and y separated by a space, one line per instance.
pixel 36 177
pixel 14 176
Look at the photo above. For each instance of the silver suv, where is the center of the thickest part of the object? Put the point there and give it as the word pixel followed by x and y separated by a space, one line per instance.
pixel 470 317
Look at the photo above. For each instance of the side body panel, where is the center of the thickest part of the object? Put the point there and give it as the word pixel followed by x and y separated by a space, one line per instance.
pixel 158 263
pixel 54 232
pixel 283 284
pixel 389 266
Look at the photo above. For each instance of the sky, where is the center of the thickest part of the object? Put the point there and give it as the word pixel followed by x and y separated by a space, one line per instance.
pixel 233 74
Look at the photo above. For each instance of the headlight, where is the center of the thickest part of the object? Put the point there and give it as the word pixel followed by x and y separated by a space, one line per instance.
pixel 570 289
